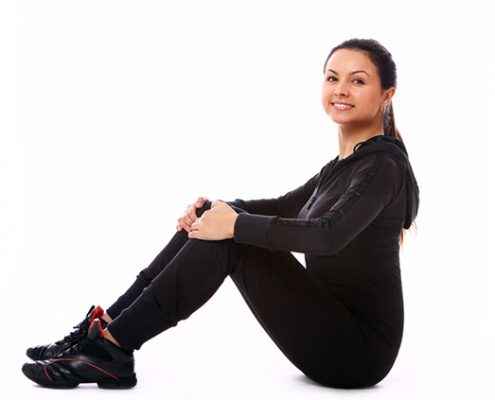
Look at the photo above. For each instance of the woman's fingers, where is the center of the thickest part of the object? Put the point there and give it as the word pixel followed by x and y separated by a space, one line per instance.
pixel 189 215
pixel 182 222
pixel 201 201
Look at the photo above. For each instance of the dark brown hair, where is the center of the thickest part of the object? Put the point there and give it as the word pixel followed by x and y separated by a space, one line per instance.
pixel 387 71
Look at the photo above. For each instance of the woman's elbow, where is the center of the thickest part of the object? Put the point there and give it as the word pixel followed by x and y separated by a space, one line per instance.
pixel 327 245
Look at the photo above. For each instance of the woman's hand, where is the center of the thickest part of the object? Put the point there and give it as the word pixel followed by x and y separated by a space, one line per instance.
pixel 189 215
pixel 217 223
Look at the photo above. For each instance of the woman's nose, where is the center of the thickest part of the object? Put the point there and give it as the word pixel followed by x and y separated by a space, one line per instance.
pixel 341 90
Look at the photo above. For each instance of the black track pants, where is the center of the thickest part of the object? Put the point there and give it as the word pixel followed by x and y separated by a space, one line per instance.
pixel 308 324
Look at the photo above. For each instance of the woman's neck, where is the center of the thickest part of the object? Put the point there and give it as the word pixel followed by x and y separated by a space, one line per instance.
pixel 348 139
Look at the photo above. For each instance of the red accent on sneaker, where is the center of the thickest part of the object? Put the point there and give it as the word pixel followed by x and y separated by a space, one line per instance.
pixel 97 313
pixel 100 327
pixel 76 359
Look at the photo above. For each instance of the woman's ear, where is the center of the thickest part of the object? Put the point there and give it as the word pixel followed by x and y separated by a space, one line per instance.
pixel 389 93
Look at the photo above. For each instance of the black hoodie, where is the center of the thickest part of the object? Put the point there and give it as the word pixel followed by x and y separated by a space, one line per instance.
pixel 347 220
pixel 334 206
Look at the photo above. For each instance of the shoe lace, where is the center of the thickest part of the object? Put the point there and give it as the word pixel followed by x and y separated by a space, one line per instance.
pixel 76 334
pixel 76 347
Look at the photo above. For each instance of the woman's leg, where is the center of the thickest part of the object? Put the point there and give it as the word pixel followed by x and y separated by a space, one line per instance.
pixel 145 276
pixel 183 286
pixel 143 279
pixel 314 330
pixel 309 325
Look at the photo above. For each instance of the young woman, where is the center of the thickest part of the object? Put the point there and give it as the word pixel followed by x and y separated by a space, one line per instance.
pixel 340 319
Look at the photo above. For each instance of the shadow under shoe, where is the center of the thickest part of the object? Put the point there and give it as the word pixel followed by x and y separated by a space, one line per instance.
pixel 93 359
pixel 46 351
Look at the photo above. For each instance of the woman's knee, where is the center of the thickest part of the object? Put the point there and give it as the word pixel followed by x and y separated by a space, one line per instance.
pixel 201 210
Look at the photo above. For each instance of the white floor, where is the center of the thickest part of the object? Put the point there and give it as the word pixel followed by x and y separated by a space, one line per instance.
pixel 231 357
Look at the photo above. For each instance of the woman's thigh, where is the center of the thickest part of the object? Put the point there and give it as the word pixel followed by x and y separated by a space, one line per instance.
pixel 309 324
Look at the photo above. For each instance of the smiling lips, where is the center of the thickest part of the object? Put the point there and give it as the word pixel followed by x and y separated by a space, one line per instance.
pixel 342 106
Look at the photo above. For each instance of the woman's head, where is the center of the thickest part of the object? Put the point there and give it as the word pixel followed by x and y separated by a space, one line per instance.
pixel 370 92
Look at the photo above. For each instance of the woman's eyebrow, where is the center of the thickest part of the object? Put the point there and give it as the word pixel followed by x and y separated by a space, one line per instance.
pixel 354 72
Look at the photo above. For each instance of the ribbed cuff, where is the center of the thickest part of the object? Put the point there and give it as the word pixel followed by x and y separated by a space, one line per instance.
pixel 252 229
pixel 139 322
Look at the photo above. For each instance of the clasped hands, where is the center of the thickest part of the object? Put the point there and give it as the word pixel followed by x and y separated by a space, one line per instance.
pixel 217 223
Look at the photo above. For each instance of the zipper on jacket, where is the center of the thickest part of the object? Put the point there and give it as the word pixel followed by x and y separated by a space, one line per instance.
pixel 338 164
pixel 311 202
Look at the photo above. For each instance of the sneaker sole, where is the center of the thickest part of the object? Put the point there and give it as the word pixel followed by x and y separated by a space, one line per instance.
pixel 121 383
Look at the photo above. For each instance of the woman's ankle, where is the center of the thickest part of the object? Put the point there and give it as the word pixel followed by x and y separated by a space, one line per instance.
pixel 107 335
pixel 105 317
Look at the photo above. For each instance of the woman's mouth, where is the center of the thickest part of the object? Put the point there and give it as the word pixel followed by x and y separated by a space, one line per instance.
pixel 342 106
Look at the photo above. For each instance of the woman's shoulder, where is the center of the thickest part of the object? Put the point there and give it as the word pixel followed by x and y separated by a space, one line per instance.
pixel 379 162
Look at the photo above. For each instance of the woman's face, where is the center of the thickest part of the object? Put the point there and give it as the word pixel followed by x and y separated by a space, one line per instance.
pixel 361 90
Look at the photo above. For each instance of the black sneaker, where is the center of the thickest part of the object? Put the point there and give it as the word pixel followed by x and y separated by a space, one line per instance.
pixel 92 359
pixel 44 352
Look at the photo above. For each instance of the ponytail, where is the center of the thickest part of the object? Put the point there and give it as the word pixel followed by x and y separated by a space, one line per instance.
pixel 390 129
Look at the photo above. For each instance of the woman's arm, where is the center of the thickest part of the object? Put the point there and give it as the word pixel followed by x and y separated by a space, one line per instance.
pixel 287 205
pixel 373 186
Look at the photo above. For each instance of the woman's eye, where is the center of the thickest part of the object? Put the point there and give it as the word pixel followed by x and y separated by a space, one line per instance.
pixel 355 80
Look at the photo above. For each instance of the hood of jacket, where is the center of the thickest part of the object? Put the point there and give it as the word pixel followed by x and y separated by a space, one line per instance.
pixel 397 149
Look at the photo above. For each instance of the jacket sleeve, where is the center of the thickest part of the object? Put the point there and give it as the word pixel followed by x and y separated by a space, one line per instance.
pixel 373 185
pixel 287 205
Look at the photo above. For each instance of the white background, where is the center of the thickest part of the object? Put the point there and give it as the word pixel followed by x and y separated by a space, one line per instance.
pixel 114 115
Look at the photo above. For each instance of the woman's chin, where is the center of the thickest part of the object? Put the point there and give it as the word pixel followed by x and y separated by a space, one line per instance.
pixel 340 119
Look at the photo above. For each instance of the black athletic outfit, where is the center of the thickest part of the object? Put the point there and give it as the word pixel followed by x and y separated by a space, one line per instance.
pixel 340 319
